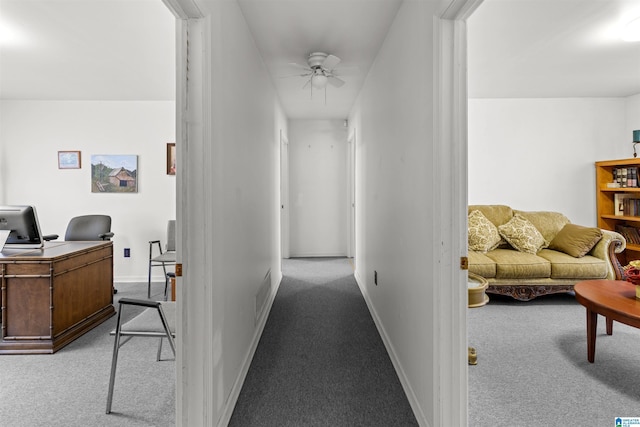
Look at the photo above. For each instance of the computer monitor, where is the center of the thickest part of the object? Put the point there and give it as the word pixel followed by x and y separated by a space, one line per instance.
pixel 22 224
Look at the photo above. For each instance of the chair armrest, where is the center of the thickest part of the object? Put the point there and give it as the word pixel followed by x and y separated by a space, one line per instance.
pixel 106 236
pixel 612 243
pixel 139 302
pixel 49 237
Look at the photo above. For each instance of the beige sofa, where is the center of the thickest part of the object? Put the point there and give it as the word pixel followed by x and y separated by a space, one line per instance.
pixel 554 267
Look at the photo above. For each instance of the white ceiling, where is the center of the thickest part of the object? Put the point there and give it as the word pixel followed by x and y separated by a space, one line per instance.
pixel 124 49
pixel 87 50
pixel 552 48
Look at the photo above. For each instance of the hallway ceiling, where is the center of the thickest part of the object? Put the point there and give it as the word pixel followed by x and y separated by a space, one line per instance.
pixel 124 50
pixel 288 31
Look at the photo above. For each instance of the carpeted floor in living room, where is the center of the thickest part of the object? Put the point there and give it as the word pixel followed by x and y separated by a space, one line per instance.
pixel 533 371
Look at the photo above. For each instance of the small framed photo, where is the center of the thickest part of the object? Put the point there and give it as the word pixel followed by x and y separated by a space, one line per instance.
pixel 171 158
pixel 69 160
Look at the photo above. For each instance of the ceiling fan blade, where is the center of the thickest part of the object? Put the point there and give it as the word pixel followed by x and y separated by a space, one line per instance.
pixel 302 67
pixel 334 81
pixel 330 62
pixel 295 75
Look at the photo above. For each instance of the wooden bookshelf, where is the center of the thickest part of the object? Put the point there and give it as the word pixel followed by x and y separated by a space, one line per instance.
pixel 606 206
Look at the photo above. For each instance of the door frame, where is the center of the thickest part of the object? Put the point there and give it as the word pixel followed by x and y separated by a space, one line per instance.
pixel 351 195
pixel 284 195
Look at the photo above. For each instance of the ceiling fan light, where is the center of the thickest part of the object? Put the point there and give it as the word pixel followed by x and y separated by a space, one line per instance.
pixel 319 81
pixel 631 31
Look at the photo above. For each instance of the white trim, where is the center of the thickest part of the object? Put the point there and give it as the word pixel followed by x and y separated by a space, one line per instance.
pixel 184 9
pixel 351 195
pixel 450 175
pixel 198 312
pixel 406 384
pixel 317 254
pixel 460 10
pixel 284 196
pixel 227 410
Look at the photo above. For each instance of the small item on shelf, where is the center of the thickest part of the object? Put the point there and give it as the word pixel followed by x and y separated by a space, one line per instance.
pixel 632 275
pixel 613 185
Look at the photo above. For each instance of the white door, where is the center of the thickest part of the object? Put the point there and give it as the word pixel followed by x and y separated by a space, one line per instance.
pixel 284 195
pixel 351 191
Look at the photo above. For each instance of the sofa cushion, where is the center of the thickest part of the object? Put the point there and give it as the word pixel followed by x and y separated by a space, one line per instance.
pixel 576 240
pixel 512 264
pixel 546 222
pixel 483 234
pixel 522 235
pixel 564 266
pixel 482 265
pixel 497 214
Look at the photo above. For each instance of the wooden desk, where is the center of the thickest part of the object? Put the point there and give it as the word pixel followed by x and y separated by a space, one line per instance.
pixel 614 299
pixel 53 295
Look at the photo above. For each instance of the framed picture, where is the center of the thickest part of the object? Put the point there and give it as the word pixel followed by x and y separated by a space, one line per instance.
pixel 69 160
pixel 114 173
pixel 171 158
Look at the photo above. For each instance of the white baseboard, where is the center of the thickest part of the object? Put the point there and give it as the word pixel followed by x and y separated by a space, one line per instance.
pixel 316 254
pixel 227 411
pixel 406 385
pixel 138 279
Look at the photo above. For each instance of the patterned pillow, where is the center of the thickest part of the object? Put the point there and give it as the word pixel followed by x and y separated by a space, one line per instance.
pixel 522 235
pixel 483 234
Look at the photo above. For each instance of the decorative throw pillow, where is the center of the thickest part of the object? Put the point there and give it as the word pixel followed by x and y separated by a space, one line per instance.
pixel 522 235
pixel 483 234
pixel 576 240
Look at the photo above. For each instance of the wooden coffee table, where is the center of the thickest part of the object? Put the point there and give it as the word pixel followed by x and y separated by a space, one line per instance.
pixel 614 299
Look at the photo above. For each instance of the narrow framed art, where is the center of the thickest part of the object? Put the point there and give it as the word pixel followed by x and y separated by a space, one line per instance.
pixel 69 160
pixel 171 158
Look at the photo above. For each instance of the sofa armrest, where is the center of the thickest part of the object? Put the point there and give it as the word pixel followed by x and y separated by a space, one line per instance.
pixel 612 243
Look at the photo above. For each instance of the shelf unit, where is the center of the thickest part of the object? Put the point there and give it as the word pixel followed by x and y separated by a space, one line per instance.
pixel 607 219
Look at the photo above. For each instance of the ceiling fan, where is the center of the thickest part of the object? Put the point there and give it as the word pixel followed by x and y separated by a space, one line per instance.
pixel 320 71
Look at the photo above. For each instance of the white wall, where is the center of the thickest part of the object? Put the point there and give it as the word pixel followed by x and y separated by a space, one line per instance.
pixel 633 118
pixel 231 212
pixel 539 154
pixel 318 188
pixel 393 121
pixel 33 132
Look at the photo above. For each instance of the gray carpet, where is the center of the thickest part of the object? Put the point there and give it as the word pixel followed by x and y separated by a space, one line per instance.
pixel 69 388
pixel 533 370
pixel 321 361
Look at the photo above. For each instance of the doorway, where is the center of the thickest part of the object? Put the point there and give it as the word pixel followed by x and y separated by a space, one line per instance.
pixel 284 195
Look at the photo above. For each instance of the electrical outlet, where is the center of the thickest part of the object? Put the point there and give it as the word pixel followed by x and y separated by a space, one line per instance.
pixel 127 252
pixel 375 277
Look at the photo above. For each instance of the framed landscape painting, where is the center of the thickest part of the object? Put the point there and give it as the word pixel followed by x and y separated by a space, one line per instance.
pixel 114 173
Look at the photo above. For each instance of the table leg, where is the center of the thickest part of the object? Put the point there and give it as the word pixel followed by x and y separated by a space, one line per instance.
pixel 609 326
pixel 592 323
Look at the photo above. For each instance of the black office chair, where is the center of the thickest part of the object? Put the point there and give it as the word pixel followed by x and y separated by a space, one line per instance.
pixel 86 228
